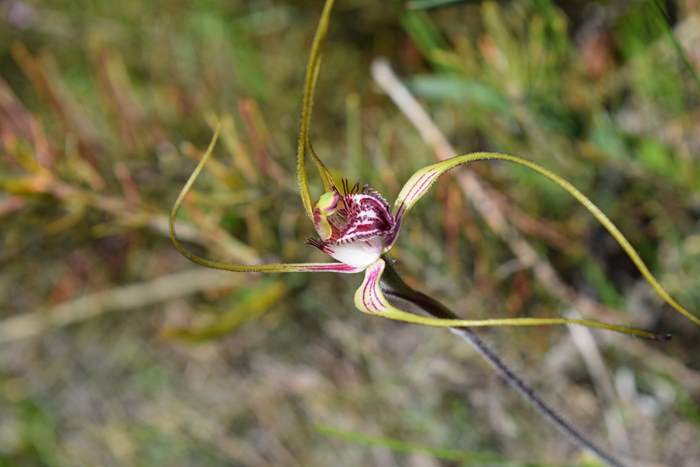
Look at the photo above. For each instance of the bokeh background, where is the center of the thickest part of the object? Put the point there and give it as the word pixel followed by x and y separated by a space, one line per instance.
pixel 115 351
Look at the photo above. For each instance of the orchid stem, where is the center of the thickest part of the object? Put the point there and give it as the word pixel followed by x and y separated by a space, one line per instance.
pixel 394 287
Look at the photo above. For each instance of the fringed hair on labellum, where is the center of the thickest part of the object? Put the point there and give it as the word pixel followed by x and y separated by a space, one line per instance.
pixel 354 226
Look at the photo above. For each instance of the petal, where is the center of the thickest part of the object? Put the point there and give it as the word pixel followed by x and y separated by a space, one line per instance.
pixel 418 185
pixel 326 206
pixel 369 298
pixel 360 253
pixel 277 267
pixel 422 180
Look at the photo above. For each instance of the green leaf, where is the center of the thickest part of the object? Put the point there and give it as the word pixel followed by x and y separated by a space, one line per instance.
pixel 446 87
pixel 424 33
pixel 248 305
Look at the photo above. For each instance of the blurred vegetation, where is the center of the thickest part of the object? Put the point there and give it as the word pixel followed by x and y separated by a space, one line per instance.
pixel 116 351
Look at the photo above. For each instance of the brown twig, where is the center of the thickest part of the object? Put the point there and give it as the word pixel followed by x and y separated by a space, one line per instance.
pixel 128 297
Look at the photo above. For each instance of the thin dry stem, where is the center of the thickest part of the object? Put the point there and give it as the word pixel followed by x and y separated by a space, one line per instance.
pixel 176 285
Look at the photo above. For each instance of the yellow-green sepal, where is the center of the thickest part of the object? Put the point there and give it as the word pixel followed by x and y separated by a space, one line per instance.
pixel 326 206
pixel 370 299
pixel 275 267
pixel 423 179
pixel 312 70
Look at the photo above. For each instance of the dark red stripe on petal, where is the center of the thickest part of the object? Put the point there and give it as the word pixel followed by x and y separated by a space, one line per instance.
pixel 409 196
pixel 332 267
pixel 375 294
pixel 364 291
pixel 425 184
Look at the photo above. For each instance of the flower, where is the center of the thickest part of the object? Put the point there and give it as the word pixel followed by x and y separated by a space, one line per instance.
pixel 354 227
pixel 357 227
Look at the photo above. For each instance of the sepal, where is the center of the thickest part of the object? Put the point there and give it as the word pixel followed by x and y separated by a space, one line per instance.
pixel 370 298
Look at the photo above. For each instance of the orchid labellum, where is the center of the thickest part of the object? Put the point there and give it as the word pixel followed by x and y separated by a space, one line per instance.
pixel 356 226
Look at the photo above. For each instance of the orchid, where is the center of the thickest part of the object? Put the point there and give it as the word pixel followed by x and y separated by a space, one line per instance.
pixel 357 227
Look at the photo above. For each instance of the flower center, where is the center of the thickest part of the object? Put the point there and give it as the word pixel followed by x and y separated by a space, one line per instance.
pixel 353 227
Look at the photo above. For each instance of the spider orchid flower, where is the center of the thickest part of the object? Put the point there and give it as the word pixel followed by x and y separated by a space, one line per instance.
pixel 357 227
